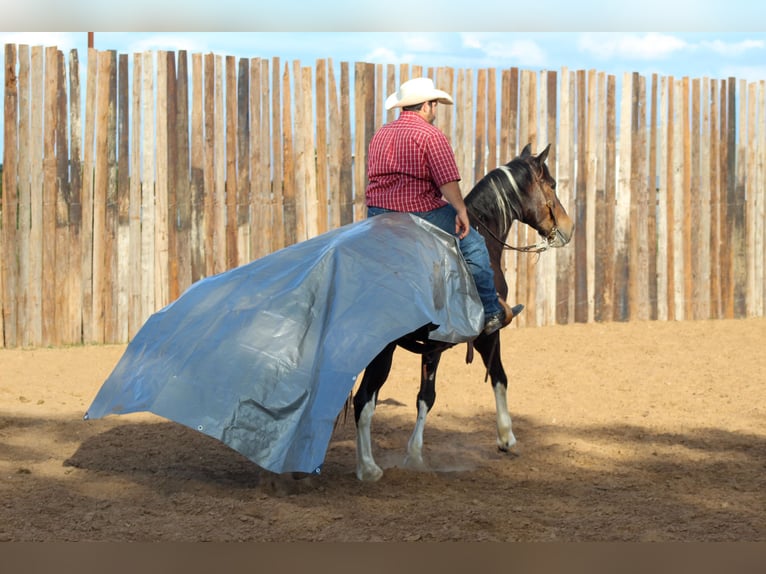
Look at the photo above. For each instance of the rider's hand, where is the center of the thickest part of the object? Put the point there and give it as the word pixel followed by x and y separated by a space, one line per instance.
pixel 462 225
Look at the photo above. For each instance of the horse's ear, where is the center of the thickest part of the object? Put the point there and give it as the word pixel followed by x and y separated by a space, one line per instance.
pixel 527 150
pixel 543 155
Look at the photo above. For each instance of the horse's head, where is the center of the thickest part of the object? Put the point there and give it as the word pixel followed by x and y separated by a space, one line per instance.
pixel 540 206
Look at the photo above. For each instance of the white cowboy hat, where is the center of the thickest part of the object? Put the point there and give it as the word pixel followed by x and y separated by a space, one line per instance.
pixel 416 91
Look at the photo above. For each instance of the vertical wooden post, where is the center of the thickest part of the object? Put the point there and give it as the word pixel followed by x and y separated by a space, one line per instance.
pixel 162 196
pixel 135 313
pixel 749 155
pixel 491 114
pixel 652 199
pixel 74 275
pixel 243 162
pixel 590 151
pixel 220 254
pixel 148 190
pixel 171 182
pixel 724 246
pixel 309 167
pixel 209 206
pixel 8 267
pixel 686 203
pixel 25 309
pixel 736 201
pixel 232 257
pixel 604 248
pixel 321 146
pixel 633 231
pixel 182 185
pixel 704 229
pixel 197 189
pixel 622 217
pixel 480 128
pixel 678 208
pixel 582 296
pixel 288 190
pixel 278 155
pixel 123 202
pixel 63 201
pixel 300 152
pixel 364 90
pixel 641 186
pixel 565 276
pixel 111 285
pixel 697 207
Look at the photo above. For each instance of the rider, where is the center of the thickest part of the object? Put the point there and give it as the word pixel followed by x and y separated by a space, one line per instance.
pixel 411 167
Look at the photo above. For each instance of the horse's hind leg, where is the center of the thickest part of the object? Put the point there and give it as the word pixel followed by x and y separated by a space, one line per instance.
pixel 365 398
pixel 426 400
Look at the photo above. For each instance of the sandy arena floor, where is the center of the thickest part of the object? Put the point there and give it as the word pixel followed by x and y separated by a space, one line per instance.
pixel 630 432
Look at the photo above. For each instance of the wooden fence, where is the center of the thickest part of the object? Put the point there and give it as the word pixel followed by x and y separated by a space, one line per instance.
pixel 125 184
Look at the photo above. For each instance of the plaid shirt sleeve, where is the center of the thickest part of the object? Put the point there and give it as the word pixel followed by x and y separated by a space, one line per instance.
pixel 441 159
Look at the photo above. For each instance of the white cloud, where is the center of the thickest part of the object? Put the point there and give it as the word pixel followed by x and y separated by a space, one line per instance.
pixel 651 46
pixel 421 43
pixel 387 56
pixel 523 52
pixel 506 49
pixel 729 49
pixel 471 41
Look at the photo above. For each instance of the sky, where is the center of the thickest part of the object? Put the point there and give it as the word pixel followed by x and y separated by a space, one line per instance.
pixel 696 38
pixel 717 39
pixel 717 55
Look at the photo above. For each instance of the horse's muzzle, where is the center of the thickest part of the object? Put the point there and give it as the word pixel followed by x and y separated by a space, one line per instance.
pixel 560 237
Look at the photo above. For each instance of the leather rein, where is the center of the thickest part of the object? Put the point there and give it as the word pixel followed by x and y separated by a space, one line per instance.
pixel 539 247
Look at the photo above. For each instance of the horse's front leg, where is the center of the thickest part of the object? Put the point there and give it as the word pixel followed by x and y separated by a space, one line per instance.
pixel 426 398
pixel 489 349
pixel 365 398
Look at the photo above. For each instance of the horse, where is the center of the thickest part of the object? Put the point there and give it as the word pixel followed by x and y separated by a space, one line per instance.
pixel 523 190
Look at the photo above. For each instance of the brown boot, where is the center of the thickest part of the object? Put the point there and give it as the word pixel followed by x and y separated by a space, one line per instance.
pixel 510 312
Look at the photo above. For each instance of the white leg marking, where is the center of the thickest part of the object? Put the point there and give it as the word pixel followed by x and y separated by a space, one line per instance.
pixel 414 457
pixel 366 469
pixel 505 438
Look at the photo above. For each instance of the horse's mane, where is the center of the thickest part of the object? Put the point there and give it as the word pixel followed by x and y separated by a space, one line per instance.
pixel 494 201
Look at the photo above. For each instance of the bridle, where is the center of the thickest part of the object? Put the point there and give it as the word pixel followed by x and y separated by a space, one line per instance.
pixel 538 247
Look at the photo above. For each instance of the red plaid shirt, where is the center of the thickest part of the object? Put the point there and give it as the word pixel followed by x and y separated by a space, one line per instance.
pixel 408 161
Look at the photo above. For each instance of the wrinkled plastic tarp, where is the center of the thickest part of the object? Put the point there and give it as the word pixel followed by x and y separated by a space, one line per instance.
pixel 264 356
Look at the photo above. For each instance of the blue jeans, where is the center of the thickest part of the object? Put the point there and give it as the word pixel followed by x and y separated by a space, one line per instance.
pixel 473 248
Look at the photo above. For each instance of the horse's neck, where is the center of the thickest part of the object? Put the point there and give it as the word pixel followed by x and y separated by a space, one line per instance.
pixel 496 201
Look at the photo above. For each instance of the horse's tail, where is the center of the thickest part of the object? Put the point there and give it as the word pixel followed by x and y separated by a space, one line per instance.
pixel 343 414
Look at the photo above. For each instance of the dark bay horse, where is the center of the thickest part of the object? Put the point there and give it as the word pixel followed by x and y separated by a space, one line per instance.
pixel 522 190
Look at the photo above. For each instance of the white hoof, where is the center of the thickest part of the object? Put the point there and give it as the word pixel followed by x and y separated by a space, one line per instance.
pixel 506 445
pixel 371 473
pixel 414 462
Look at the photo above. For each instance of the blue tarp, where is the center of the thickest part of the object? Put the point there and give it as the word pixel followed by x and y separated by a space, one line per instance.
pixel 264 356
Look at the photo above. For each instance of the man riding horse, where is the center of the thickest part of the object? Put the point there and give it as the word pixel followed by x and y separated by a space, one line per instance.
pixel 412 168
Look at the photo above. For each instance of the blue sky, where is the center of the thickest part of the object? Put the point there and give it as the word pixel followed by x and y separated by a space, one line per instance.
pixel 695 53
pixel 696 38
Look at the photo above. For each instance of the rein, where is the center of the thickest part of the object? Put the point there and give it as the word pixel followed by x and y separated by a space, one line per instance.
pixel 539 247
pixel 534 248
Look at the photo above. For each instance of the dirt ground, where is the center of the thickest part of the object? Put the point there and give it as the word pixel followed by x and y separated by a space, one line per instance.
pixel 646 431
